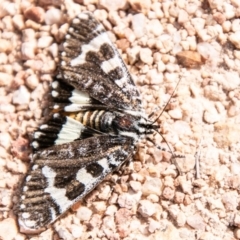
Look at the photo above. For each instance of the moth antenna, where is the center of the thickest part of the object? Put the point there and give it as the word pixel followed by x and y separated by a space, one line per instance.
pixel 167 103
pixel 174 156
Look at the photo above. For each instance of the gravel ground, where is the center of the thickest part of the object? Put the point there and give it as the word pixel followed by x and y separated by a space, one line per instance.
pixel 193 43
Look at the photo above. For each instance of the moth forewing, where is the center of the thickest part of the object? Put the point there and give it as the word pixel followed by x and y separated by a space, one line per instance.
pixel 63 174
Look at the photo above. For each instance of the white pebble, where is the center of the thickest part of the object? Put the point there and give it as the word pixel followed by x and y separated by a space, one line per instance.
pixel 52 16
pixel 111 210
pixel 146 56
pixel 215 3
pixel 133 54
pixel 3 59
pixel 181 219
pixel 112 5
pixel 101 14
pixel 8 228
pixel 161 66
pixel 155 77
pixel 21 96
pixel 53 49
pixel 152 186
pixel 196 222
pixel 84 213
pixel 226 26
pixel 76 230
pixel 198 23
pixel 229 10
pixel 99 206
pixel 7 108
pixel 44 42
pixel 235 3
pixel 105 193
pixel 215 204
pixel 236 220
pixel 5 79
pixel 230 200
pixel 155 27
pixel 146 208
pixel 182 16
pixel 28 50
pixel 207 51
pixel 153 225
pixel 236 25
pixel 139 25
pixel 8 8
pixel 235 39
pixel 175 113
pixel 171 77
pixel 237 233
pixel 5 45
pixel 128 201
pixel 211 116
pixel 5 140
pixel 28 35
pixel 32 81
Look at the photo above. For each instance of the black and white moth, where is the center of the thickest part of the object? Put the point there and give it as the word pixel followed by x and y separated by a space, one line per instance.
pixel 97 122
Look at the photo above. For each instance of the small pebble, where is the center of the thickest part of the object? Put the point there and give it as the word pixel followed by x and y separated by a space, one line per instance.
pixel 123 215
pixel 5 79
pixel 146 56
pixel 52 16
pixel 196 222
pixel 35 14
pixel 28 50
pixel 152 186
pixel 21 96
pixel 8 228
pixel 235 39
pixel 139 25
pixel 84 213
pixel 32 81
pixel 146 208
pixel 44 42
pixel 111 5
pixel 5 45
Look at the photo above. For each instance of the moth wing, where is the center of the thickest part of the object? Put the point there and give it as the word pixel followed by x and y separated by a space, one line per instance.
pixel 69 99
pixel 91 63
pixel 64 174
pixel 60 129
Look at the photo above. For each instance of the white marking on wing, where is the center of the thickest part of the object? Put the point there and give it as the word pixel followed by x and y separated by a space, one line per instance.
pixel 25 215
pixel 70 131
pixel 130 134
pixel 53 213
pixel 121 83
pixel 79 97
pixel 84 177
pixel 88 180
pixel 57 194
pixel 104 163
pixel 111 64
pixel 93 45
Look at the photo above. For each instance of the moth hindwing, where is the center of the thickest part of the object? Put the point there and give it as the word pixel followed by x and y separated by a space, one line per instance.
pixel 96 124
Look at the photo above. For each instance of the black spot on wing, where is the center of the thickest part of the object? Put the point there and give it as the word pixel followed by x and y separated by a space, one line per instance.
pixel 94 169
pixel 74 189
pixel 107 51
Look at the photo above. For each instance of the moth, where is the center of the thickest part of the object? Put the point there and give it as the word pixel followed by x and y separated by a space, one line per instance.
pixel 96 124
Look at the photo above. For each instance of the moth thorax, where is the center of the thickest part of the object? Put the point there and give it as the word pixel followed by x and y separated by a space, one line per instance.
pixel 125 123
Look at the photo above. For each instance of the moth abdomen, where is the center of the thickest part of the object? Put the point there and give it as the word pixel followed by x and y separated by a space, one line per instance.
pixel 100 120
